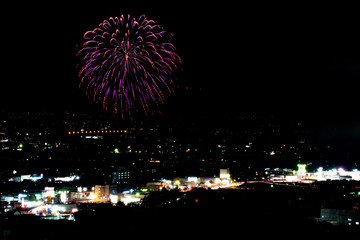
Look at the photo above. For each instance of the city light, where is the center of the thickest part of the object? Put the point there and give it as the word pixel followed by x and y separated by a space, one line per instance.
pixel 114 199
pixel 67 178
pixel 84 132
pixel 319 175
pixel 256 132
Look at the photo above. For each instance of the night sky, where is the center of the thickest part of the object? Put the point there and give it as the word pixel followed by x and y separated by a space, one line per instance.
pixel 300 60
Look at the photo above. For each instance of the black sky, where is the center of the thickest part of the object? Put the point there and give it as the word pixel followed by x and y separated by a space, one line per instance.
pixel 288 59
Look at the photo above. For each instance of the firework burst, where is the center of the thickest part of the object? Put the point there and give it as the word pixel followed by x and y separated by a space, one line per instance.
pixel 127 64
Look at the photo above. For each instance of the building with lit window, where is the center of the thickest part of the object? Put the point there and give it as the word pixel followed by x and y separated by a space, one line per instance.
pixel 104 191
pixel 121 176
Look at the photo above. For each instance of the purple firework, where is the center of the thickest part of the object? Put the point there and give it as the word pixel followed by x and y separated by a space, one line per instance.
pixel 127 63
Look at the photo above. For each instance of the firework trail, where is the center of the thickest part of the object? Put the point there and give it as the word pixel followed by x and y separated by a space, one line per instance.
pixel 127 64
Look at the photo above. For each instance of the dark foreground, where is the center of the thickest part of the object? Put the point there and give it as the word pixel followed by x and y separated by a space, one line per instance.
pixel 205 214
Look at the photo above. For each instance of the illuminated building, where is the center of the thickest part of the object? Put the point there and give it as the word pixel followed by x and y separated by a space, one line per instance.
pixel 335 174
pixel 156 186
pixel 82 196
pixel 67 179
pixel 131 197
pixel 224 174
pixel 339 216
pixel 301 172
pixel 31 177
pixel 104 191
pixel 121 176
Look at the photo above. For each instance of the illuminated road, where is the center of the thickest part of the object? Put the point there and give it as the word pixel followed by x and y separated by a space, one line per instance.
pixel 230 185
